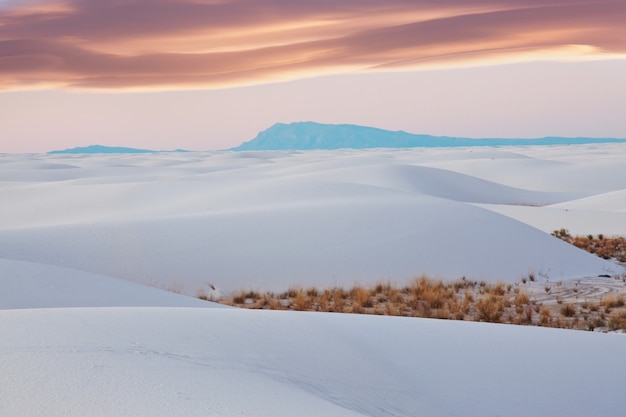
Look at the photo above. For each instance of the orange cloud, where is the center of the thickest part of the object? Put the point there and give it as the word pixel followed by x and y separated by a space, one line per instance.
pixel 170 44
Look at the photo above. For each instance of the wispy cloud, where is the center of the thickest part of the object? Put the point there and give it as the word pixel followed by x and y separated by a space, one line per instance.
pixel 162 44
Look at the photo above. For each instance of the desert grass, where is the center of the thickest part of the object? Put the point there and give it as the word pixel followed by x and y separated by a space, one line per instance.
pixel 521 303
pixel 606 247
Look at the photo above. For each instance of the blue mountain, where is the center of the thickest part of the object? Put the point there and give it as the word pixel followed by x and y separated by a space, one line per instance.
pixel 311 135
pixel 99 149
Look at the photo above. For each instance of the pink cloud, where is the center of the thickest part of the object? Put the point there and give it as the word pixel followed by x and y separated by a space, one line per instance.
pixel 160 44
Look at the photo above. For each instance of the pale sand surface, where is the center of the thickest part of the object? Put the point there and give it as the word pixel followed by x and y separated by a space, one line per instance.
pixel 231 362
pixel 75 230
pixel 269 220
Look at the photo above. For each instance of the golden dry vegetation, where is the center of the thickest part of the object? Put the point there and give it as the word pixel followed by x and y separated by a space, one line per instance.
pixel 520 303
pixel 606 247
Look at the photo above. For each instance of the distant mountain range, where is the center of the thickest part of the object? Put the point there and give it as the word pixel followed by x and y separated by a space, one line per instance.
pixel 96 149
pixel 311 135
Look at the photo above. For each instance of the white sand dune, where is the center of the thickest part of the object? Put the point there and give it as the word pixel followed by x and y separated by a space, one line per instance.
pixel 614 201
pixel 29 285
pixel 230 362
pixel 76 340
pixel 269 220
pixel 336 244
pixel 583 169
pixel 581 222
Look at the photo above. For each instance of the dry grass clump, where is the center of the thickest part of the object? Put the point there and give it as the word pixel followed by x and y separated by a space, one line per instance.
pixel 490 309
pixel 617 321
pixel 568 310
pixel 612 301
pixel 545 316
pixel 613 247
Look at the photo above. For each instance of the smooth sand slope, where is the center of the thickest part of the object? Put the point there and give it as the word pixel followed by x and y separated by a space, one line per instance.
pixel 31 285
pixel 228 362
pixel 268 220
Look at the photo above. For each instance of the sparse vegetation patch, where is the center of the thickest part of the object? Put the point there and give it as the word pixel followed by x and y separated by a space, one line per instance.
pixel 613 247
pixel 569 304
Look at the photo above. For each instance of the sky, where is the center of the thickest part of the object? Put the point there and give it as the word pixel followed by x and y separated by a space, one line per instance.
pixel 210 74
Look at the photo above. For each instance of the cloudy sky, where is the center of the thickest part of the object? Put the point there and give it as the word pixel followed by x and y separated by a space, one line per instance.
pixel 209 74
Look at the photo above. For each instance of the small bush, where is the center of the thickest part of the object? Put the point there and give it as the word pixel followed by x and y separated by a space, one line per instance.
pixel 613 301
pixel 545 316
pixel 568 310
pixel 489 309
